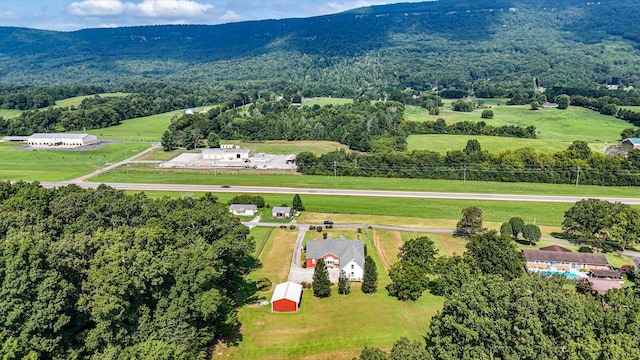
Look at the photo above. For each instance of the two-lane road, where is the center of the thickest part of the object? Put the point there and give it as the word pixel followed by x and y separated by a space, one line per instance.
pixel 342 192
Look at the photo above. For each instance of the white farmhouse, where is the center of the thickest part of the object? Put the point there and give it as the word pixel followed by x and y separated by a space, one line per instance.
pixel 347 255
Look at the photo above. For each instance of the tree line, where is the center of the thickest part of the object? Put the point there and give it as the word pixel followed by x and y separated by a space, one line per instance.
pixel 575 165
pixel 104 275
pixel 24 98
pixel 104 111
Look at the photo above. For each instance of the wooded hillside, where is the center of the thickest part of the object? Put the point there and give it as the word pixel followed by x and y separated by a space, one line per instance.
pixel 419 45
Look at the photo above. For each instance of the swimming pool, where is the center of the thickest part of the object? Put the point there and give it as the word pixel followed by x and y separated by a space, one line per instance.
pixel 569 275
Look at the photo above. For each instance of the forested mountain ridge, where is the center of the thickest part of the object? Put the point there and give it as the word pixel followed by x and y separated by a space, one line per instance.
pixel 418 45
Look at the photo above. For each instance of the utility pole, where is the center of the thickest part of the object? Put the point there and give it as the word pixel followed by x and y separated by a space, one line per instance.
pixel 578 176
pixel 335 169
pixel 465 174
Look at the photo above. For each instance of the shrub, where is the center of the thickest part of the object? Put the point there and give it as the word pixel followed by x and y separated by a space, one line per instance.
pixel 487 114
pixel 319 228
pixel 584 249
pixel 292 227
pixel 263 284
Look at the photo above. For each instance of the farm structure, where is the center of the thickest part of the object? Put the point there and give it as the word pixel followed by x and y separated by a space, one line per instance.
pixel 60 139
pixel 633 142
pixel 345 255
pixel 281 212
pixel 561 259
pixel 243 209
pixel 286 297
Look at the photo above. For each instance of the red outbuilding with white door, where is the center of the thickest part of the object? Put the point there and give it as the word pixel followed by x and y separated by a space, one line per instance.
pixel 286 297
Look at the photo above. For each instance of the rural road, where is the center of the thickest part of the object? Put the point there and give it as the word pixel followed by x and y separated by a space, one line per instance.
pixel 339 192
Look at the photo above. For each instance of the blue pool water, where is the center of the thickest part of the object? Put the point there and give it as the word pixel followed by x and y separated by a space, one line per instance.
pixel 556 272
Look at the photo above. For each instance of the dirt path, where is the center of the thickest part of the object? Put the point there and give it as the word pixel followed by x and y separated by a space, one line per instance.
pixel 384 258
pixel 445 244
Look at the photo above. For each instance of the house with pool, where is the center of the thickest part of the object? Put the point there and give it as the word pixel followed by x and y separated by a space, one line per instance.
pixel 559 259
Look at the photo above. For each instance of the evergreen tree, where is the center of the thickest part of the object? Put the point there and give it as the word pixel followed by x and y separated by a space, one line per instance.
pixel 344 287
pixel 321 284
pixel 297 203
pixel 370 277
pixel 532 233
pixel 168 141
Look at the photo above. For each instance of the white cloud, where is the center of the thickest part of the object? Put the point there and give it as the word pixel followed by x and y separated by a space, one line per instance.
pixel 7 15
pixel 168 8
pixel 230 16
pixel 97 8
pixel 146 8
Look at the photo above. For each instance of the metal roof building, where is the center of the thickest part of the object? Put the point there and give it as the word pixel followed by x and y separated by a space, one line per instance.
pixel 58 139
pixel 286 297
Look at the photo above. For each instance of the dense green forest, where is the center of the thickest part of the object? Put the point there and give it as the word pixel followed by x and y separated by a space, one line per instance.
pixel 472 45
pixel 99 274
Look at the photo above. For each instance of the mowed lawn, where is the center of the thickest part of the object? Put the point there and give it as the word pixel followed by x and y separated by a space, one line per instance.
pixel 58 165
pixel 494 144
pixel 150 174
pixel 77 100
pixel 337 327
pixel 557 128
pixel 322 101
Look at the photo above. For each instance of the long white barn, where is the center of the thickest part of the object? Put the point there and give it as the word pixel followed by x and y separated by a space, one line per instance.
pixel 57 139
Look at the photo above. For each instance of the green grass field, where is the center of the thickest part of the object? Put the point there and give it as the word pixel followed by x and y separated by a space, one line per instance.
pixel 77 100
pixel 58 165
pixel 149 174
pixel 557 128
pixel 493 144
pixel 288 147
pixel 143 129
pixel 9 113
pixel 322 101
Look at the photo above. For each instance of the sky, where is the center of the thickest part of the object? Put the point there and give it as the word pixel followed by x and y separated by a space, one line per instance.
pixel 69 15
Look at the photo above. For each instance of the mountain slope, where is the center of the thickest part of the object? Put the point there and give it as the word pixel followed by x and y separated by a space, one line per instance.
pixel 449 42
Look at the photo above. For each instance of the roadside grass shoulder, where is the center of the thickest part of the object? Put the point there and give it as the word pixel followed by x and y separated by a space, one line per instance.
pixel 147 174
pixel 58 165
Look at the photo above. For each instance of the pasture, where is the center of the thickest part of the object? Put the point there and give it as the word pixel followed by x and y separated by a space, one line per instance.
pixel 9 113
pixel 142 129
pixel 493 144
pixel 288 147
pixel 77 100
pixel 322 101
pixel 557 128
pixel 59 165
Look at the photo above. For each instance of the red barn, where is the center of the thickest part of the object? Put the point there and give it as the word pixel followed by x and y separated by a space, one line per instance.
pixel 286 297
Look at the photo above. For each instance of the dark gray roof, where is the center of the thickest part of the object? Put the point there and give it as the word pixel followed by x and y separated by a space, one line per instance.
pixel 560 256
pixel 281 209
pixel 346 250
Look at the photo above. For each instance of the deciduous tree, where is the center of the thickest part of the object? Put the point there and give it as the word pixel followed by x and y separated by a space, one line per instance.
pixel 344 287
pixel 495 254
pixel 471 222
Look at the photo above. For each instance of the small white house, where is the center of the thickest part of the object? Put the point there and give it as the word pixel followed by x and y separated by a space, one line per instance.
pixel 226 154
pixel 57 139
pixel 243 209
pixel 281 212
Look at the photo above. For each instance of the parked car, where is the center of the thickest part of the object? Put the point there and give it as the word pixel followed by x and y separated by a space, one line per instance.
pixel 328 224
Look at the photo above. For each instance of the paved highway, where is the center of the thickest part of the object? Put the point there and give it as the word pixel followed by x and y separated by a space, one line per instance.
pixel 340 192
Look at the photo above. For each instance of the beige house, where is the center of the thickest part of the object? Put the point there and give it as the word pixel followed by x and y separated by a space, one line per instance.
pixel 564 260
